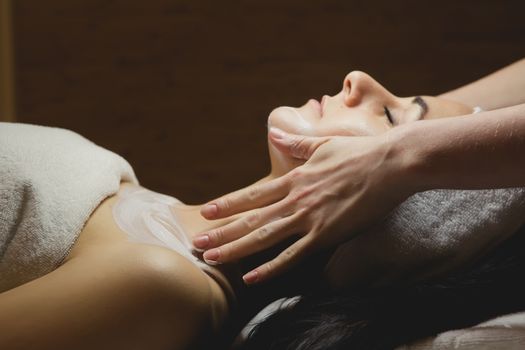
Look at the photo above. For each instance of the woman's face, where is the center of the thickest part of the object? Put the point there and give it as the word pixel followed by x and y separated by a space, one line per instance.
pixel 362 107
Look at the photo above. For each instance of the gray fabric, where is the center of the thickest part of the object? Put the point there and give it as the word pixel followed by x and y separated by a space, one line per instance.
pixel 51 180
pixel 430 233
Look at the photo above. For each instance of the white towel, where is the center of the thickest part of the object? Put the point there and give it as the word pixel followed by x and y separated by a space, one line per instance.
pixel 51 180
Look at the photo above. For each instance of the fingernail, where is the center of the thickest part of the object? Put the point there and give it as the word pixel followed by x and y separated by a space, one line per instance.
pixel 251 277
pixel 201 242
pixel 212 263
pixel 211 256
pixel 209 210
pixel 276 133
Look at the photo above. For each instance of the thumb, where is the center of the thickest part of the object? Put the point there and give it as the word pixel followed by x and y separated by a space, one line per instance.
pixel 297 146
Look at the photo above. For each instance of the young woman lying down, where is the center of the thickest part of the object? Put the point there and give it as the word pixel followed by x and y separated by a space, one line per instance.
pixel 92 260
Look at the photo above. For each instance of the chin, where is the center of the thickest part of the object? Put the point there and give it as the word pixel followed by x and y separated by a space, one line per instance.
pixel 290 120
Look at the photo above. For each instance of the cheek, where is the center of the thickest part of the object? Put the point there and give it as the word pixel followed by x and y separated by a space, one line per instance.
pixel 290 120
pixel 352 127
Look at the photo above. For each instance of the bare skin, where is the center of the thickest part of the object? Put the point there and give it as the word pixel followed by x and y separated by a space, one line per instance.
pixel 112 293
pixel 314 196
pixel 500 89
pixel 347 183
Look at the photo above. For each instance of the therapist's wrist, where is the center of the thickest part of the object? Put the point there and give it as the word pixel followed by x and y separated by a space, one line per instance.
pixel 408 153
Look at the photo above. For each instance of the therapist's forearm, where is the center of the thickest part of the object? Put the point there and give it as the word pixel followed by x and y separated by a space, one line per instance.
pixel 500 89
pixel 485 150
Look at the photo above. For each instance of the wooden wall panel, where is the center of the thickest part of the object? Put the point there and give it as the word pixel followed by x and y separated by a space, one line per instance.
pixel 183 88
pixel 7 97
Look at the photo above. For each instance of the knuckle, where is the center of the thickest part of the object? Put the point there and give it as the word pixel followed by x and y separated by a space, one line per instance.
pixel 289 254
pixel 304 150
pixel 314 203
pixel 311 149
pixel 268 268
pixel 300 193
pixel 263 233
pixel 217 235
pixel 224 203
pixel 295 143
pixel 294 197
pixel 254 193
pixel 304 196
pixel 296 174
pixel 302 214
pixel 225 252
pixel 253 219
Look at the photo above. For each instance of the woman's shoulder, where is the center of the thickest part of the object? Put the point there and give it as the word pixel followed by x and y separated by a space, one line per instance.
pixel 169 273
pixel 157 273
pixel 162 271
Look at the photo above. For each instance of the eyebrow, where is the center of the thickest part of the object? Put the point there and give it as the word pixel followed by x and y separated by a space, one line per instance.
pixel 421 103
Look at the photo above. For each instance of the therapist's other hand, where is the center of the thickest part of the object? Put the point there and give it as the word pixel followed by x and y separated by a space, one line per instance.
pixel 346 184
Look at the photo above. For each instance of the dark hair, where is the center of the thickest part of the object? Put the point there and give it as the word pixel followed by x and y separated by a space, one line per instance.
pixel 388 317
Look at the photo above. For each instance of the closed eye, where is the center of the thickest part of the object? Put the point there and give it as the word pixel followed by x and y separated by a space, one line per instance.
pixel 389 115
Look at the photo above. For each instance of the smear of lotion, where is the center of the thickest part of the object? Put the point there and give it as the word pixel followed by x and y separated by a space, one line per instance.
pixel 147 217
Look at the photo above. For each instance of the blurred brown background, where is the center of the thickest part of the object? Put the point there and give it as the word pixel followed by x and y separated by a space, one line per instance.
pixel 182 89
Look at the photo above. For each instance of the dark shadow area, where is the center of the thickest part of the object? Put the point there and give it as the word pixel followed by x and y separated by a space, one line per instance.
pixel 182 89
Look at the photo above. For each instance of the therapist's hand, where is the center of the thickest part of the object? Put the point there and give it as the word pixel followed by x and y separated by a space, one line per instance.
pixel 346 184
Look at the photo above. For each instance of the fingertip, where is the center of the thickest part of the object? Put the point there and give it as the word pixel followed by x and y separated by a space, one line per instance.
pixel 212 256
pixel 276 133
pixel 211 259
pixel 209 211
pixel 201 242
pixel 282 144
pixel 251 277
pixel 212 262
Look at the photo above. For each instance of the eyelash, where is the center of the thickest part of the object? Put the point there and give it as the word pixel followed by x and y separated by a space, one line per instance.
pixel 389 115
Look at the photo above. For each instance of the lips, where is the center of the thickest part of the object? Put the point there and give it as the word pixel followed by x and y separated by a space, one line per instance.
pixel 323 101
pixel 316 105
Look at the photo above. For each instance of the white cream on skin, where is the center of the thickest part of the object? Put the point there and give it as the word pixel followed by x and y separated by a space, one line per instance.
pixel 148 217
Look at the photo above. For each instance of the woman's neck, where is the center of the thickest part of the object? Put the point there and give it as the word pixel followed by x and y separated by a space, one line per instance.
pixel 248 300
pixel 194 223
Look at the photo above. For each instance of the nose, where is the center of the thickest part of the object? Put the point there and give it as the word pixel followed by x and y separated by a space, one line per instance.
pixel 359 87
